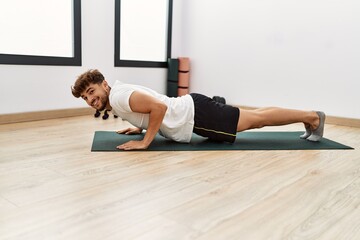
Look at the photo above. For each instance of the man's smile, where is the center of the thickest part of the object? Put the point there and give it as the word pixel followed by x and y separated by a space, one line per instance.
pixel 95 102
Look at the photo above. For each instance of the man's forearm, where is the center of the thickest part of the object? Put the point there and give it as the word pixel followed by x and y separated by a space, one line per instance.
pixel 146 104
pixel 156 117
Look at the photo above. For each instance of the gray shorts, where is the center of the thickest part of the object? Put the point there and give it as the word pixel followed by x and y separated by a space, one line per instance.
pixel 214 120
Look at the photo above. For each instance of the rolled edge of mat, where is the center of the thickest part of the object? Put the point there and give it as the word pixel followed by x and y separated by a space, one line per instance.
pixel 173 69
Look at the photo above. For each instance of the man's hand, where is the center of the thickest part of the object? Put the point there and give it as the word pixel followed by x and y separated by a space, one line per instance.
pixel 144 103
pixel 132 145
pixel 130 131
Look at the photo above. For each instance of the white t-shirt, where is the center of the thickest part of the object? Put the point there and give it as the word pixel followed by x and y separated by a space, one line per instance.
pixel 178 121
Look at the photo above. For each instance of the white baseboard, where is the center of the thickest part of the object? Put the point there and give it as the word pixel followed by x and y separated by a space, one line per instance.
pixel 43 115
pixel 73 112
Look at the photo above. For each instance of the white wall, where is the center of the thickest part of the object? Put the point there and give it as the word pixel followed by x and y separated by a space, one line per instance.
pixel 297 54
pixel 27 88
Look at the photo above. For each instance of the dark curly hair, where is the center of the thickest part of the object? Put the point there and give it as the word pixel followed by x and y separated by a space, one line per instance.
pixel 92 76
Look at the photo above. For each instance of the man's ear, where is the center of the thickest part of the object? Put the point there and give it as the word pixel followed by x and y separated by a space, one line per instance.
pixel 105 85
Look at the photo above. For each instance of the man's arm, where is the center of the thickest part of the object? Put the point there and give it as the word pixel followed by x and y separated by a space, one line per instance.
pixel 144 103
pixel 130 131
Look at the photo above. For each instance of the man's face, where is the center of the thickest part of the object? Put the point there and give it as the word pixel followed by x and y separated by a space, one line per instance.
pixel 96 96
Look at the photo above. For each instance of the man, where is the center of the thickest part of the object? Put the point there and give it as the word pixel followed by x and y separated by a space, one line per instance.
pixel 177 118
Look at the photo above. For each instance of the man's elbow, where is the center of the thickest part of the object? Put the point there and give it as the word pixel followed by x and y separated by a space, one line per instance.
pixel 163 108
pixel 160 108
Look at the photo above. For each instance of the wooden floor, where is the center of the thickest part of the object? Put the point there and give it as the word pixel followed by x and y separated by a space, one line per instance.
pixel 53 187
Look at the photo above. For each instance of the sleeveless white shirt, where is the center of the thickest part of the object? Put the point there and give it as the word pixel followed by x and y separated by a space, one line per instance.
pixel 178 122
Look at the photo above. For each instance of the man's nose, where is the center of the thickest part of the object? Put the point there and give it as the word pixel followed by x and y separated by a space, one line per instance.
pixel 90 100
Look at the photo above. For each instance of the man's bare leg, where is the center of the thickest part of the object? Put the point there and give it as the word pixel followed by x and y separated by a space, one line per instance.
pixel 274 116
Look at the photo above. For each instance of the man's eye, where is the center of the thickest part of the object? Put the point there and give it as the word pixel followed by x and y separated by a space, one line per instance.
pixel 91 92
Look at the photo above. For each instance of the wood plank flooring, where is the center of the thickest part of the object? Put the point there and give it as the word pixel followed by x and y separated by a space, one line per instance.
pixel 53 187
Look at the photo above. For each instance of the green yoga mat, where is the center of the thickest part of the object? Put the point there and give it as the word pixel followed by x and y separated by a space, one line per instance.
pixel 107 141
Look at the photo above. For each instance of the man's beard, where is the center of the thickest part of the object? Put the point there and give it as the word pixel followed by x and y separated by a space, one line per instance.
pixel 104 99
pixel 104 102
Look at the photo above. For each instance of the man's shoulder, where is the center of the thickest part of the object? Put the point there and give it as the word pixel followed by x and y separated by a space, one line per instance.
pixel 120 88
pixel 119 96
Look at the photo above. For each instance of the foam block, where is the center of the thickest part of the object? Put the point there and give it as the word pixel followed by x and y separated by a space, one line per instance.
pixel 184 79
pixel 184 64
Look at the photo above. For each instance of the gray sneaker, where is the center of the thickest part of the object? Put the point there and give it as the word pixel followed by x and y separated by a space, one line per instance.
pixel 317 134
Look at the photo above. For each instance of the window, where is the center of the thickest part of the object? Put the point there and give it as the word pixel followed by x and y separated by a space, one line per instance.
pixel 40 32
pixel 142 32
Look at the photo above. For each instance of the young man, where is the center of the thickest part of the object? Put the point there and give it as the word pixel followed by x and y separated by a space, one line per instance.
pixel 177 118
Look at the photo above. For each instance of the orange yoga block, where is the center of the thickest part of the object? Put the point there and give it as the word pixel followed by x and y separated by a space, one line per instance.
pixel 184 79
pixel 184 76
pixel 184 64
pixel 183 91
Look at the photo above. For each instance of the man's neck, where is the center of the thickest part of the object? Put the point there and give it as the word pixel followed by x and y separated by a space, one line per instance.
pixel 108 106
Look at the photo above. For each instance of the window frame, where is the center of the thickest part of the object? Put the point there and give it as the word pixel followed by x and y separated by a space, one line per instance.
pixel 53 60
pixel 133 63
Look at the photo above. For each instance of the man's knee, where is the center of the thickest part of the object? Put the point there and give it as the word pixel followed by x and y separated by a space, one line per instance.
pixel 249 120
pixel 257 120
